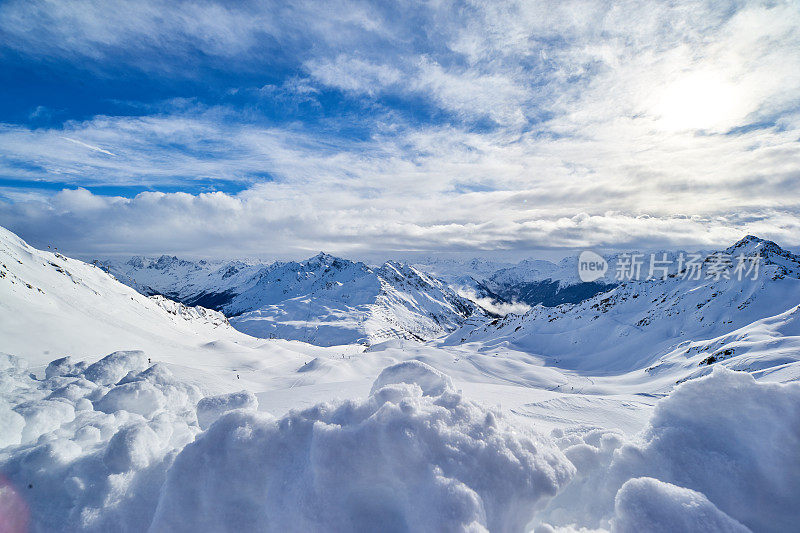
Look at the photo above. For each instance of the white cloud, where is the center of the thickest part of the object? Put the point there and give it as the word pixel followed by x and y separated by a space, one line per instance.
pixel 498 308
pixel 353 74
pixel 608 127
pixel 92 29
pixel 497 96
pixel 409 190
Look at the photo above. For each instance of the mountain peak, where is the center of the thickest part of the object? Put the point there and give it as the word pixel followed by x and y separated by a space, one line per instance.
pixel 321 258
pixel 748 239
pixel 137 261
pixel 752 245
pixel 165 260
pixel 769 252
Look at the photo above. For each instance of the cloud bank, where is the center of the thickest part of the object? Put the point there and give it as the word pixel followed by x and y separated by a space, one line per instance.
pixel 454 126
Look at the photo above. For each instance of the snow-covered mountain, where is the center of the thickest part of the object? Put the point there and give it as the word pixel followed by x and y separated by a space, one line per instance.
pixel 676 323
pixel 208 423
pixel 514 286
pixel 46 296
pixel 323 300
pixel 53 306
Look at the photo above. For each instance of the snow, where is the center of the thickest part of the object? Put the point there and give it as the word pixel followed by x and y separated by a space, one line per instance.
pixel 731 438
pixel 12 423
pixel 403 459
pixel 79 468
pixel 115 366
pixel 209 409
pixel 673 328
pixel 414 454
pixel 646 504
pixel 122 412
pixel 131 448
pixel 53 306
pixel 431 381
pixel 14 514
pixel 726 437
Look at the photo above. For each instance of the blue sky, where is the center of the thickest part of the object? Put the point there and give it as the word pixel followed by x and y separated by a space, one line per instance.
pixel 277 129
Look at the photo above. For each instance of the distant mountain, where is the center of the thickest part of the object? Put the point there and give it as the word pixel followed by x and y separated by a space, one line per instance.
pixel 499 285
pixel 323 300
pixel 536 282
pixel 667 323
pixel 529 282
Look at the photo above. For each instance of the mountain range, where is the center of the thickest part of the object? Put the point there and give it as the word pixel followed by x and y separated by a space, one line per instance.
pixel 146 398
pixel 323 300
pixel 607 326
pixel 677 324
pixel 661 330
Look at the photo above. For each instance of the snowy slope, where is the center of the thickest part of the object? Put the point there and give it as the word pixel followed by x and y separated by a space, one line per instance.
pixel 44 296
pixel 678 323
pixel 208 283
pixel 512 288
pixel 52 306
pixel 551 284
pixel 323 300
pixel 208 429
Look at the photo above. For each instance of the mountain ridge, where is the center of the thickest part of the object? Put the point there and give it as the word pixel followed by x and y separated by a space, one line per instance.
pixel 674 321
pixel 325 299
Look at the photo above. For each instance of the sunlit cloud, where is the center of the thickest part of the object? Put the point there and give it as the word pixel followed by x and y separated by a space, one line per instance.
pixel 496 126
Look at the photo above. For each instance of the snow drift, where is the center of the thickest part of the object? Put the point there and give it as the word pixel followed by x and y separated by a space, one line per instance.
pixel 87 447
pixel 85 452
pixel 646 504
pixel 726 438
pixel 733 439
pixel 407 458
pixel 118 445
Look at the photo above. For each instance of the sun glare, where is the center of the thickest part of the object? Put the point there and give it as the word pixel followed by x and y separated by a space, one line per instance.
pixel 698 102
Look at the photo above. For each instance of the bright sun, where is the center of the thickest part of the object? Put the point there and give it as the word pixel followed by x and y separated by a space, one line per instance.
pixel 699 101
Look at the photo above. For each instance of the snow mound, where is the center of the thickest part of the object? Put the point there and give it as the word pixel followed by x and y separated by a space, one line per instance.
pixel 113 367
pixel 87 448
pixel 431 381
pixel 209 409
pixel 731 438
pixel 147 392
pixel 646 504
pixel 723 445
pixel 64 367
pixel 413 456
pixel 139 397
